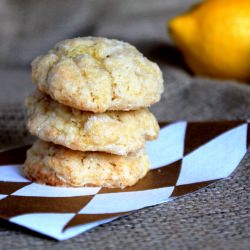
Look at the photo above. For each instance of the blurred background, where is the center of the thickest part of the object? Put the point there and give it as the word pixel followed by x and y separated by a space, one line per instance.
pixel 29 28
pixel 215 219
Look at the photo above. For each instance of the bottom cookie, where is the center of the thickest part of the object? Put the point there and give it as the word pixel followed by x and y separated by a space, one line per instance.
pixel 56 165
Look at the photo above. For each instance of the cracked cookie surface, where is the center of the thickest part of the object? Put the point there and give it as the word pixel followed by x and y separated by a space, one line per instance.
pixel 116 132
pixel 56 165
pixel 98 74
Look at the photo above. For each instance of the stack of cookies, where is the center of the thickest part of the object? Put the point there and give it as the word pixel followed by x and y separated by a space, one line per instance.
pixel 90 114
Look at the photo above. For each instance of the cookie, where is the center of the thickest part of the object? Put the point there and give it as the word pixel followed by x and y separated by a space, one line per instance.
pixel 117 132
pixel 56 165
pixel 98 74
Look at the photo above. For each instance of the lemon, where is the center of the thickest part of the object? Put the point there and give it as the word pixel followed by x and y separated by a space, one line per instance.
pixel 214 37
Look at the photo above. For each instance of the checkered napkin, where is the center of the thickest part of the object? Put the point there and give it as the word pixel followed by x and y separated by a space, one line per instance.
pixel 186 157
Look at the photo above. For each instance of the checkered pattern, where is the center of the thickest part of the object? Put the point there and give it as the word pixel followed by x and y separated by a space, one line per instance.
pixel 185 158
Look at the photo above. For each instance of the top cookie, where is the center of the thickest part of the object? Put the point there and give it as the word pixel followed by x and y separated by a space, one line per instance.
pixel 98 74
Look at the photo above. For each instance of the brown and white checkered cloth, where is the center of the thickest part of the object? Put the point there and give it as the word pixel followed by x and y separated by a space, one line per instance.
pixel 186 157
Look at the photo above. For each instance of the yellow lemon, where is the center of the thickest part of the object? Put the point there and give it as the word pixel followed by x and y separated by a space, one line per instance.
pixel 214 37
